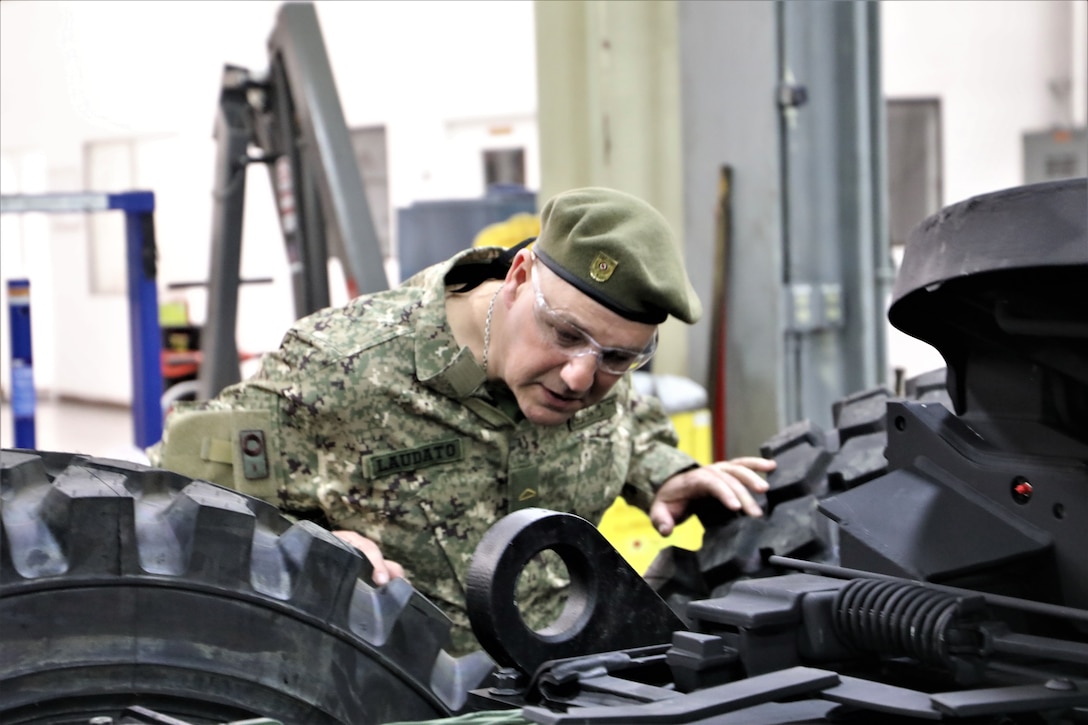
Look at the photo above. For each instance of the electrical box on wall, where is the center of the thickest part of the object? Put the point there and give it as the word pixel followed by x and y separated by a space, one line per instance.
pixel 1057 154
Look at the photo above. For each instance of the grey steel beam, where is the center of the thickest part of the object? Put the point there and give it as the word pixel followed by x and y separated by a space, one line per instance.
pixel 219 366
pixel 835 237
pixel 326 143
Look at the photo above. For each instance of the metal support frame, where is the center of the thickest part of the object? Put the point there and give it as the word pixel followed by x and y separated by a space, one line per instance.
pixel 143 300
pixel 219 366
pixel 293 116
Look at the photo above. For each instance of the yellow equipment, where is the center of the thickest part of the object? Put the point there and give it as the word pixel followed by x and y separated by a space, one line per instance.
pixel 629 529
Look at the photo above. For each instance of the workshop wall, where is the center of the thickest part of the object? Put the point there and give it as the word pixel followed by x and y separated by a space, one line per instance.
pixel 143 79
pixel 1000 69
pixel 439 76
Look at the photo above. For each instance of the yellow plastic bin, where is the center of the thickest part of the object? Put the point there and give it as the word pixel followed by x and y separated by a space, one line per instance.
pixel 628 528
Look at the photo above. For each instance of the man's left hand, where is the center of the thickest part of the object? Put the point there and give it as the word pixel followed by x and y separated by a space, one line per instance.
pixel 731 482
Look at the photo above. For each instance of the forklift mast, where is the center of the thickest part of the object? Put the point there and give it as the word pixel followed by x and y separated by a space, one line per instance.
pixel 290 120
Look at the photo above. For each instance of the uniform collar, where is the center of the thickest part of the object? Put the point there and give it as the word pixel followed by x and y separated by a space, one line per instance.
pixel 442 364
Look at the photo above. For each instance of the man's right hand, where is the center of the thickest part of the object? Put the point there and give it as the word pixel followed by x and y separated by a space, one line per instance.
pixel 384 569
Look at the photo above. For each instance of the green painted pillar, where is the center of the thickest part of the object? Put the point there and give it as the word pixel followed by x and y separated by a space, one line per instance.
pixel 608 79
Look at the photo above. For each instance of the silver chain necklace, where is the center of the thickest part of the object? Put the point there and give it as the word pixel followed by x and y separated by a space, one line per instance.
pixel 487 326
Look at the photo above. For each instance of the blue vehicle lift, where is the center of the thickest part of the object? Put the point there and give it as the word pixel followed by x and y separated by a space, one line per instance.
pixel 143 301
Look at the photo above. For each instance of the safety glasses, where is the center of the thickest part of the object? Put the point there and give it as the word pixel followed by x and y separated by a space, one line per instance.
pixel 567 338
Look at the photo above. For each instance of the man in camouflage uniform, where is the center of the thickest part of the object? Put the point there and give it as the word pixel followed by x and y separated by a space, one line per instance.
pixel 415 418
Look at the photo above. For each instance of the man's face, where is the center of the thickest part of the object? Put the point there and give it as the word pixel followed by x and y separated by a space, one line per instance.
pixel 562 351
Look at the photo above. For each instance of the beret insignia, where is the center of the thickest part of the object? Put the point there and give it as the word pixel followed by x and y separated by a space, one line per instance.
pixel 602 268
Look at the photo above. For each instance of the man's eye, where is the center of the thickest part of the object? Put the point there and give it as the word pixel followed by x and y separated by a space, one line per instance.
pixel 568 337
pixel 618 359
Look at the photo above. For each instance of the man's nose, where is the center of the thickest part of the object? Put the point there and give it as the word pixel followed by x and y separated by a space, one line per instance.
pixel 579 372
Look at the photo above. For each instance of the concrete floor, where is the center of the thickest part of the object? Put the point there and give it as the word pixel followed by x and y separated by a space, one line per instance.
pixel 78 427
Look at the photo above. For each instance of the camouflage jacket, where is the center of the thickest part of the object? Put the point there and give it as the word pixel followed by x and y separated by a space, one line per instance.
pixel 374 415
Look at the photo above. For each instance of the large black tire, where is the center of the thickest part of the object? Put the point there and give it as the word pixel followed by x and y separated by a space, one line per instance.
pixel 811 464
pixel 123 585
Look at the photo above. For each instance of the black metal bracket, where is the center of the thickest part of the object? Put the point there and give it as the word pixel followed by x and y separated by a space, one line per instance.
pixel 609 606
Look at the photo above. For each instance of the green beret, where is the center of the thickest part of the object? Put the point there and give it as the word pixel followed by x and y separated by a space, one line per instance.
pixel 619 250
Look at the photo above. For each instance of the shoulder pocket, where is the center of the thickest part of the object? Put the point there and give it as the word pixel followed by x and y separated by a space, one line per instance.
pixel 238 449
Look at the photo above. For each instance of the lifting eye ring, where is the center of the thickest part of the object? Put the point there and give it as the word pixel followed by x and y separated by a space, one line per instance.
pixel 589 623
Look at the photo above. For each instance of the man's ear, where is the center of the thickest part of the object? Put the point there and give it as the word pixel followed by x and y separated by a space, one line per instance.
pixel 517 275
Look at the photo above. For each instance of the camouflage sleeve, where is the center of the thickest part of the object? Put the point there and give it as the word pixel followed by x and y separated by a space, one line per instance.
pixel 212 439
pixel 290 386
pixel 654 455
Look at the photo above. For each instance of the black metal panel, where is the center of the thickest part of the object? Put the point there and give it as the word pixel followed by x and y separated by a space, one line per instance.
pixel 728 698
pixel 958 518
